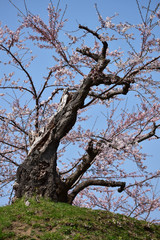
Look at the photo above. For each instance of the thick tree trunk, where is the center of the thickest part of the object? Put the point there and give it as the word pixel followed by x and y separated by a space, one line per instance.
pixel 38 176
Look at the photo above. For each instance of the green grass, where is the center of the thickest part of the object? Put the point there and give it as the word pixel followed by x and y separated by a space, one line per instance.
pixel 47 220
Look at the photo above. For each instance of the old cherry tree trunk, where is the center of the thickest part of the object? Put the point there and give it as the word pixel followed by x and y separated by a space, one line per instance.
pixel 38 173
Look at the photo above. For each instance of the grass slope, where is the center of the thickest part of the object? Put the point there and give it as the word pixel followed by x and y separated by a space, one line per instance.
pixel 57 221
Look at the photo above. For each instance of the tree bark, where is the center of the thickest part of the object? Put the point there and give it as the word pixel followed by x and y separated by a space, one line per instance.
pixel 94 182
pixel 38 173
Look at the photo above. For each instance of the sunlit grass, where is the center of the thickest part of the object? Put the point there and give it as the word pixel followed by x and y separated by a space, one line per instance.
pixel 58 221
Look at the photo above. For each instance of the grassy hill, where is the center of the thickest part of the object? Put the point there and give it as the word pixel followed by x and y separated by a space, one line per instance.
pixel 57 221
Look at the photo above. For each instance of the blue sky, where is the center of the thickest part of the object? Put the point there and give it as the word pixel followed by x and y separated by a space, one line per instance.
pixel 81 12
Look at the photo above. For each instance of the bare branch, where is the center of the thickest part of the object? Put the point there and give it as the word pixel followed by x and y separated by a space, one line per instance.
pixel 113 80
pixel 95 182
pixel 86 162
pixel 143 67
pixel 45 84
pixel 140 183
pixel 105 44
pixel 106 96
pixel 13 123
pixel 149 134
pixel 19 88
pixel 22 68
pixel 69 170
pixel 86 51
pixel 140 11
pixel 12 145
pixel 9 160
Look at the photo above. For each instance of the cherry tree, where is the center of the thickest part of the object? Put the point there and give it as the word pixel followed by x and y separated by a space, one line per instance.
pixel 49 144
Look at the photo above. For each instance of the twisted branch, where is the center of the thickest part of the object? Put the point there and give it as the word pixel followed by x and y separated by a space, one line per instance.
pixel 95 182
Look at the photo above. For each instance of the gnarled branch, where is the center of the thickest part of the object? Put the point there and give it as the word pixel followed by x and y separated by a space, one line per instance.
pixel 95 182
pixel 150 134
pixel 86 162
pixel 101 58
